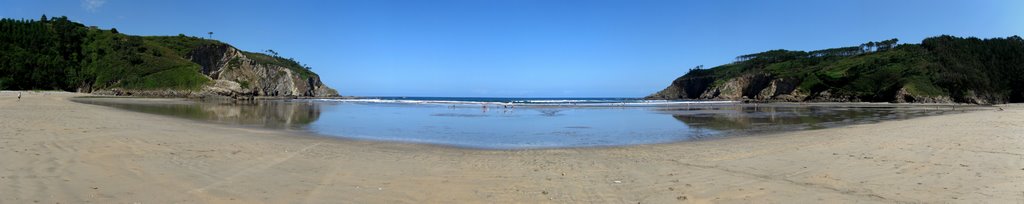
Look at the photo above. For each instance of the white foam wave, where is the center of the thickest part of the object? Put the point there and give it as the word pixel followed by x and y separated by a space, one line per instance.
pixel 400 101
pixel 565 102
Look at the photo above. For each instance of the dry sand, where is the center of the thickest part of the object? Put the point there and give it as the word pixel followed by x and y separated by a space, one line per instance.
pixel 56 151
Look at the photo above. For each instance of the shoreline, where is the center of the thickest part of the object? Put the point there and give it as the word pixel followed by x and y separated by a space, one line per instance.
pixel 62 151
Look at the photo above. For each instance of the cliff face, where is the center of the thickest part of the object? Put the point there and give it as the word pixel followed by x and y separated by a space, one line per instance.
pixel 747 86
pixel 759 86
pixel 237 75
pixel 684 88
pixel 765 87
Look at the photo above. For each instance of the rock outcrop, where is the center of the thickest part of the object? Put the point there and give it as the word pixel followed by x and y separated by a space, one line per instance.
pixel 684 88
pixel 762 87
pixel 743 87
pixel 904 96
pixel 782 89
pixel 767 88
pixel 236 74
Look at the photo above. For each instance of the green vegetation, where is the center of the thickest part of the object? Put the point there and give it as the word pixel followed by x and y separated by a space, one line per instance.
pixel 181 44
pixel 274 59
pixel 961 68
pixel 244 84
pixel 37 54
pixel 58 54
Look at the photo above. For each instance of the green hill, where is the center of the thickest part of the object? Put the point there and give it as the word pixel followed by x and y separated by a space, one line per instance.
pixel 56 53
pixel 940 69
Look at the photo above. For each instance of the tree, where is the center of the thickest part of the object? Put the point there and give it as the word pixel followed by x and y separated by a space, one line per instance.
pixel 43 19
pixel 887 44
pixel 211 34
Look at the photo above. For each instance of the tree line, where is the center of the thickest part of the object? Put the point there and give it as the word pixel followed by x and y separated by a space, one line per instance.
pixel 43 54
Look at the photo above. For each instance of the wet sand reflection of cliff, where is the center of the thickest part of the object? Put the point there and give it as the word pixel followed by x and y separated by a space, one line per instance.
pixel 776 118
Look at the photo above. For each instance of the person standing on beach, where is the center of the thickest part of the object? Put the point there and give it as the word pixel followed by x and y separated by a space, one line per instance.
pixel 19 96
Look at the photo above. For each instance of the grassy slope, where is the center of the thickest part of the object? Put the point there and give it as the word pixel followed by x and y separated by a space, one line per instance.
pixel 122 61
pixel 874 76
pixel 61 54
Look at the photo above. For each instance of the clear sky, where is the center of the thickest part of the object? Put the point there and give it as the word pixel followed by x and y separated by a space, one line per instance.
pixel 530 48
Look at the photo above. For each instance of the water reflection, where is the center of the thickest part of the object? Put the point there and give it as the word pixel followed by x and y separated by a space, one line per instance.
pixel 277 114
pixel 498 127
pixel 766 118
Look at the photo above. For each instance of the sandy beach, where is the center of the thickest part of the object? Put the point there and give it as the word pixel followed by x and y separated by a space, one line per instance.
pixel 53 150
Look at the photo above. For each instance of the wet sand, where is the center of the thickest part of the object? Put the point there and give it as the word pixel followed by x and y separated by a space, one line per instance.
pixel 53 150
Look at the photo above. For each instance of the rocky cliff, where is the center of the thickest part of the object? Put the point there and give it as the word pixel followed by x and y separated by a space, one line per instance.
pixel 767 88
pixel 235 73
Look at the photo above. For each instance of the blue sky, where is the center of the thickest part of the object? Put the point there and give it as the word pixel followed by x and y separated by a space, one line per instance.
pixel 527 48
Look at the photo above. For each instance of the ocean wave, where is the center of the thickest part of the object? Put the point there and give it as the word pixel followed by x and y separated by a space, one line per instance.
pixel 440 102
pixel 569 101
pixel 529 102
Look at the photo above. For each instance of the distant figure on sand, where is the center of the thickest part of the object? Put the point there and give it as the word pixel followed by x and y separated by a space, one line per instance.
pixel 19 96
